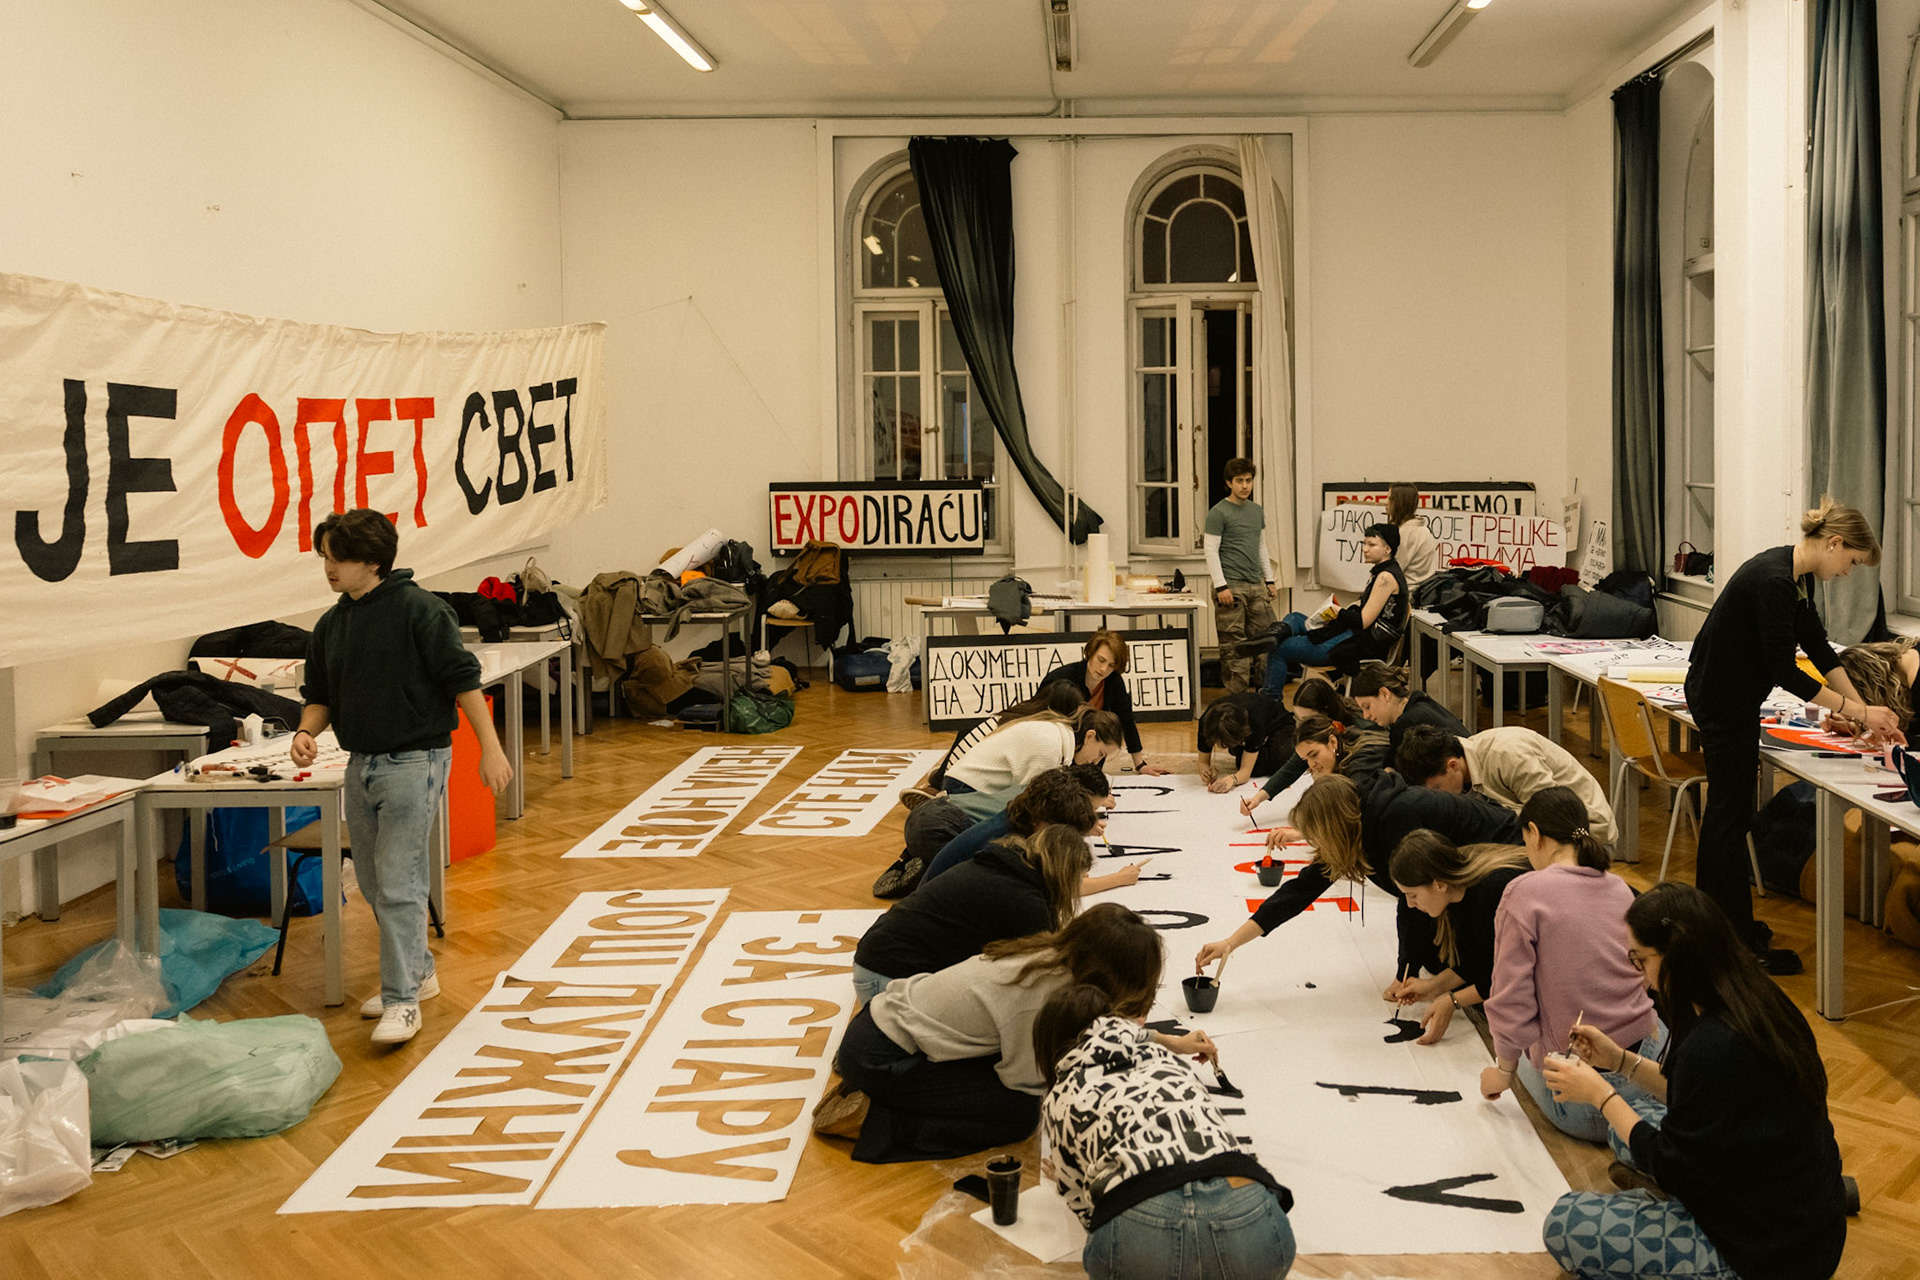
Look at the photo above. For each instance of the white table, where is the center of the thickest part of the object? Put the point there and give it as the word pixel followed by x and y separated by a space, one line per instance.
pixel 1422 625
pixel 506 664
pixel 1496 654
pixel 41 837
pixel 574 635
pixel 968 612
pixel 1839 785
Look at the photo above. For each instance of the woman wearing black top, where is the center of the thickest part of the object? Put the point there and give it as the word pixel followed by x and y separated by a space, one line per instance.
pixel 1461 890
pixel 1366 629
pixel 1745 648
pixel 1743 1144
pixel 1098 675
pixel 1255 729
pixel 1381 692
pixel 1322 746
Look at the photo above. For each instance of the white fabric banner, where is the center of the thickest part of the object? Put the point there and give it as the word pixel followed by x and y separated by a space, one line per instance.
pixel 680 815
pixel 716 1106
pixel 487 1117
pixel 165 464
pixel 848 797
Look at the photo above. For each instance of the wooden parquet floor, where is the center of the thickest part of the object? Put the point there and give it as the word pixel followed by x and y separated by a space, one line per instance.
pixel 211 1211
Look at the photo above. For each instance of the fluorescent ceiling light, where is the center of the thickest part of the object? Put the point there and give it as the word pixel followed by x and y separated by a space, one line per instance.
pixel 670 31
pixel 1444 31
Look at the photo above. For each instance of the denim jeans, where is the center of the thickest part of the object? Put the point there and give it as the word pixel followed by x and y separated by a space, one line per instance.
pixel 1201 1229
pixel 867 984
pixel 1295 652
pixel 391 801
pixel 1577 1119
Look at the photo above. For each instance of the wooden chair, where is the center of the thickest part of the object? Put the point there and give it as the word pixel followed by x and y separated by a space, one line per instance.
pixel 1629 721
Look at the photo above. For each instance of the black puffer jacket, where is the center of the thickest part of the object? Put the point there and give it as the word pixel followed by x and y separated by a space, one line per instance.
pixel 191 697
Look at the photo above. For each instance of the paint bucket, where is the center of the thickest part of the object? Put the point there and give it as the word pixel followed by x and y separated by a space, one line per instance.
pixel 1270 873
pixel 1202 993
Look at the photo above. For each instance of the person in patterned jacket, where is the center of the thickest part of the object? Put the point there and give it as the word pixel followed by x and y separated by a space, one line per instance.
pixel 1144 1157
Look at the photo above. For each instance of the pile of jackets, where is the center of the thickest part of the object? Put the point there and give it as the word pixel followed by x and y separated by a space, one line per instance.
pixel 1619 607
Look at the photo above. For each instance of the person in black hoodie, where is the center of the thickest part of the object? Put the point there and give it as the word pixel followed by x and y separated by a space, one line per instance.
pixel 1099 674
pixel 1745 648
pixel 385 669
pixel 1014 887
pixel 1353 837
pixel 1461 890
pixel 1322 746
pixel 1742 1145
pixel 1251 727
pixel 1381 693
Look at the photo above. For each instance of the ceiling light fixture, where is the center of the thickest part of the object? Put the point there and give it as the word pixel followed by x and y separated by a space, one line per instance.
pixel 670 31
pixel 1444 31
pixel 1060 33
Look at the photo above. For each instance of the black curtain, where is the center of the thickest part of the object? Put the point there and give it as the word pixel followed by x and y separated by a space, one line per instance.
pixel 1639 391
pixel 1846 316
pixel 966 194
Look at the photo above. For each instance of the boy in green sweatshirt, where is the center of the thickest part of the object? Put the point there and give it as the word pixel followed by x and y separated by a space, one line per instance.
pixel 386 669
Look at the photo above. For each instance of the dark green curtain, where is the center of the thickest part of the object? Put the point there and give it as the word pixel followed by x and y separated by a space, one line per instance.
pixel 1639 388
pixel 1846 315
pixel 966 194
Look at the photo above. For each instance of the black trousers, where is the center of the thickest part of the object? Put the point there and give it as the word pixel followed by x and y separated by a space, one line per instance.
pixel 1731 744
pixel 926 1110
pixel 1274 752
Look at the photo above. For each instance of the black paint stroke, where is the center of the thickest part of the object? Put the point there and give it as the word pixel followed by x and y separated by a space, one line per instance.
pixel 1404 1029
pixel 1187 919
pixel 1314 987
pixel 1137 850
pixel 1131 813
pixel 1168 1027
pixel 1157 875
pixel 1436 1192
pixel 1154 787
pixel 1423 1097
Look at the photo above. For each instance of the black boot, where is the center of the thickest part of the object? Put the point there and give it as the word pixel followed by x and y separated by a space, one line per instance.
pixel 1262 643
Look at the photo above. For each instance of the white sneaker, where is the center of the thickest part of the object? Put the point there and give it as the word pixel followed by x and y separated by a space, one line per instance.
pixel 399 1024
pixel 373 1008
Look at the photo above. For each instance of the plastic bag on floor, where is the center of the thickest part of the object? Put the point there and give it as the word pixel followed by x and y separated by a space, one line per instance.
pixel 43 1134
pixel 900 673
pixel 197 951
pixel 241 1079
pixel 98 989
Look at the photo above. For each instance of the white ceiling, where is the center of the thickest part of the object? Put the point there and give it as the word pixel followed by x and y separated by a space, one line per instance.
pixel 593 58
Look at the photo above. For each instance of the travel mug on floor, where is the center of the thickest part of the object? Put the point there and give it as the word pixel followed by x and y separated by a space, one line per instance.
pixel 1003 1189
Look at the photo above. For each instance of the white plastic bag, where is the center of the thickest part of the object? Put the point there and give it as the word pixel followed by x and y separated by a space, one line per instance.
pixel 44 1154
pixel 109 986
pixel 900 675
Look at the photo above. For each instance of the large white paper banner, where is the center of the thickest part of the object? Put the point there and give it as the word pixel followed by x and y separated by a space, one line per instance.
pixel 680 815
pixel 717 1105
pixel 1388 1147
pixel 489 1114
pixel 848 797
pixel 165 464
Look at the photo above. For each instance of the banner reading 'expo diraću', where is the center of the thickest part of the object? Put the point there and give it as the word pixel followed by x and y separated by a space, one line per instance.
pixel 165 465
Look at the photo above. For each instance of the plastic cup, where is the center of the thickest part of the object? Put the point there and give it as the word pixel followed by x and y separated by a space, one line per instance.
pixel 1003 1189
pixel 1202 993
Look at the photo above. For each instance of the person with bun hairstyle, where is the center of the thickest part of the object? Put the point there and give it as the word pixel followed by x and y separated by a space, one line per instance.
pixel 1200 1204
pixel 1419 553
pixel 1381 693
pixel 1560 952
pixel 941 1065
pixel 1098 675
pixel 1461 890
pixel 1745 648
pixel 1734 1128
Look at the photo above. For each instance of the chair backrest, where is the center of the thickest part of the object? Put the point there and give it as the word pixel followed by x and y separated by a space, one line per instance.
pixel 1625 710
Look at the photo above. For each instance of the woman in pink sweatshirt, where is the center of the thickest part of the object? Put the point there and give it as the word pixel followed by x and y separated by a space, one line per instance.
pixel 1560 952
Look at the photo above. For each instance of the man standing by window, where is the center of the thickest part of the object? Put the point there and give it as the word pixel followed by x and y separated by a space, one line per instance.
pixel 385 668
pixel 1234 540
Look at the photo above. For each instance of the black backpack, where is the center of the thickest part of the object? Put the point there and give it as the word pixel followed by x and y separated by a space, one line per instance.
pixel 734 562
pixel 1010 600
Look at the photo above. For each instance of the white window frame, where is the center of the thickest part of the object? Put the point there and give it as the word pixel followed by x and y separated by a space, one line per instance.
pixel 928 306
pixel 1696 419
pixel 1906 529
pixel 1187 302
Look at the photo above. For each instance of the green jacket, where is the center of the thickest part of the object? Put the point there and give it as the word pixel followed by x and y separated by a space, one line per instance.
pixel 388 667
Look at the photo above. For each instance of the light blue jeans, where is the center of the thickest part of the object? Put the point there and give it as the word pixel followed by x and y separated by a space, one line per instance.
pixel 867 984
pixel 1203 1229
pixel 1577 1119
pixel 390 803
pixel 1296 651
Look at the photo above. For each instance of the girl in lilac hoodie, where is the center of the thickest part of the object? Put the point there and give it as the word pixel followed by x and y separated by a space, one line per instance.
pixel 1560 950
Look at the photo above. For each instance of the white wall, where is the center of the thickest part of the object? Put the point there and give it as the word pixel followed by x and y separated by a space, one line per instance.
pixel 307 161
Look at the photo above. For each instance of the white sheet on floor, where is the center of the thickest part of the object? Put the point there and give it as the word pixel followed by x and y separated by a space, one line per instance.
pixel 848 797
pixel 679 815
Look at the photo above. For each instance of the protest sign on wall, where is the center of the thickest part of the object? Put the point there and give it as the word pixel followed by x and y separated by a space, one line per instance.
pixel 898 517
pixel 166 464
pixel 1488 520
pixel 971 677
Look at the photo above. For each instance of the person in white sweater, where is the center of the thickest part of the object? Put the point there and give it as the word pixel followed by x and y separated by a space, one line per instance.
pixel 1143 1156
pixel 941 1064
pixel 1508 764
pixel 1001 766
pixel 1419 554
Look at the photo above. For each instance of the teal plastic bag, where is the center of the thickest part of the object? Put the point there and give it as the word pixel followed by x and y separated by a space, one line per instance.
pixel 197 951
pixel 240 1079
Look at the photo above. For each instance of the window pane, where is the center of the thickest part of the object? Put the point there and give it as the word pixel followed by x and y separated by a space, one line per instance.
pixel 1176 194
pixel 1153 251
pixel 1247 273
pixel 907 349
pixel 954 426
pixel 1700 518
pixel 894 250
pixel 1156 404
pixel 952 359
pixel 1699 424
pixel 1156 341
pixel 886 426
pixel 1204 245
pixel 1700 310
pixel 1156 521
pixel 1228 193
pixel 980 436
pixel 909 428
pixel 915 267
pixel 882 340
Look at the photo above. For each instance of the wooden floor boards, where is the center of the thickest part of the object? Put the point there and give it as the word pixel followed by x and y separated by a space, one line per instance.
pixel 211 1211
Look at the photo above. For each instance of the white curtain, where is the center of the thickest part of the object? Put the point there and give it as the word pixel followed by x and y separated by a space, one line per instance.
pixel 1272 233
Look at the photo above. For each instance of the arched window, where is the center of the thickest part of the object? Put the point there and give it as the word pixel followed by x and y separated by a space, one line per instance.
pixel 916 413
pixel 1191 321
